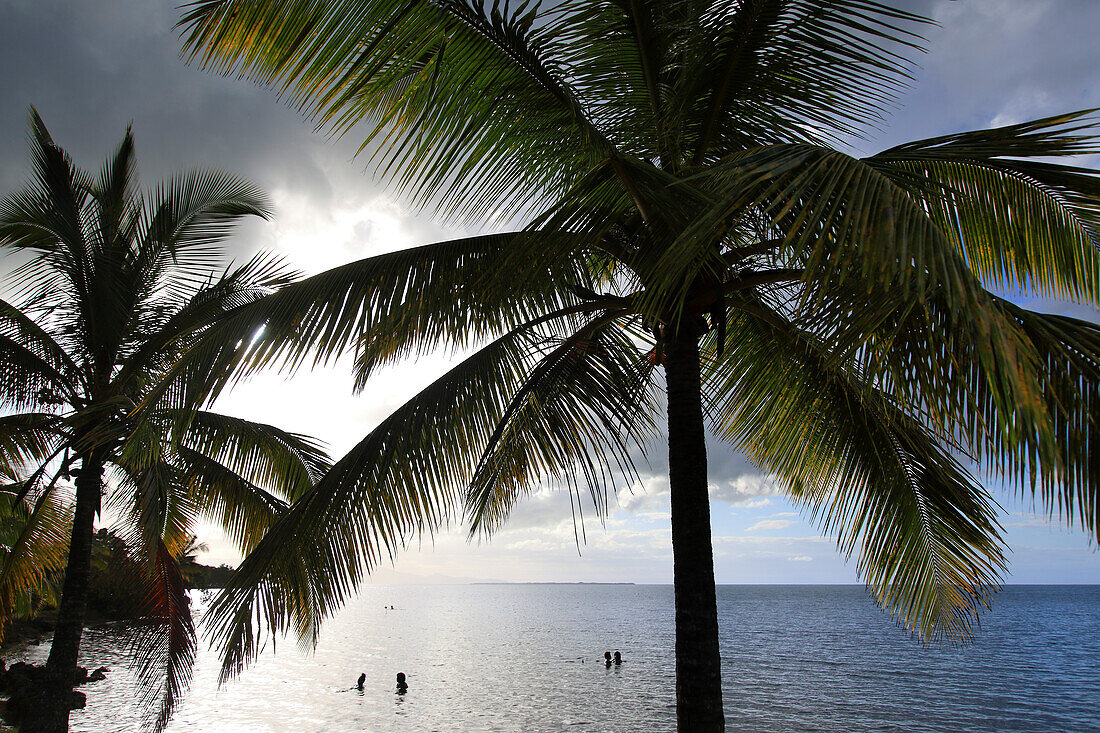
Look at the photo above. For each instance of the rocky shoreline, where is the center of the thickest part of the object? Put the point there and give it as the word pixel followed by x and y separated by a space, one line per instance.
pixel 21 683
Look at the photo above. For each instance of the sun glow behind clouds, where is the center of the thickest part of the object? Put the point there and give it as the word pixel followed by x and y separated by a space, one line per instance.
pixel 316 238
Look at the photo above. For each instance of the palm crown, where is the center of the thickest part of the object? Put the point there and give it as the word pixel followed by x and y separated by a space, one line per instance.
pixel 681 165
pixel 114 287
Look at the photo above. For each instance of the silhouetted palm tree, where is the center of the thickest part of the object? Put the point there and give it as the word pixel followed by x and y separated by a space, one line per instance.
pixel 114 286
pixel 690 206
pixel 188 559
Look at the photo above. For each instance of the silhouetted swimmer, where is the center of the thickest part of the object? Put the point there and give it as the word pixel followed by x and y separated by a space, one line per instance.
pixel 607 659
pixel 402 686
pixel 618 659
pixel 362 679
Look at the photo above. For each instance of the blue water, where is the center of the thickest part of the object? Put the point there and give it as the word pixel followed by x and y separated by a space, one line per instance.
pixel 529 658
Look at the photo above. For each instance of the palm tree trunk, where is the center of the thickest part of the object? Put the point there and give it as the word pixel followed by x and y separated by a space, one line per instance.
pixel 698 661
pixel 51 715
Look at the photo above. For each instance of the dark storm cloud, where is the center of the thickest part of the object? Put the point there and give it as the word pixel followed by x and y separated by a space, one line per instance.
pixel 93 67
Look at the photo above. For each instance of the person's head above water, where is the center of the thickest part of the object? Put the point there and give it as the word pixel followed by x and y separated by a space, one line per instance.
pixel 400 678
pixel 362 679
pixel 607 656
pixel 618 658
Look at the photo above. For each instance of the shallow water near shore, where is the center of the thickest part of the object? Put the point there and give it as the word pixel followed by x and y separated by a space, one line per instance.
pixel 530 658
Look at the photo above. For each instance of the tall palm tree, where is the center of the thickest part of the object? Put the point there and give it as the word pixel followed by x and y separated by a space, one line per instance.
pixel 114 285
pixel 681 164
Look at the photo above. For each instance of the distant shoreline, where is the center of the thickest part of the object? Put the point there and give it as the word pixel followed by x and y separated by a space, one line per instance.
pixel 545 582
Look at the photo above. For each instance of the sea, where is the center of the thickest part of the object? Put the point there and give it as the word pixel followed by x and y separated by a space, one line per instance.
pixel 529 658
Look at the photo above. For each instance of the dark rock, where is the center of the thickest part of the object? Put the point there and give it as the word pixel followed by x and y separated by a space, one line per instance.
pixel 81 675
pixel 29 685
pixel 99 674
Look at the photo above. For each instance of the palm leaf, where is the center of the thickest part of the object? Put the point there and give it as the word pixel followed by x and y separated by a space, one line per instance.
pixel 188 220
pixel 261 454
pixel 36 549
pixel 243 510
pixel 426 77
pixel 495 277
pixel 26 438
pixel 927 535
pixel 574 421
pixel 21 329
pixel 404 478
pixel 769 71
pixel 164 642
pixel 1021 223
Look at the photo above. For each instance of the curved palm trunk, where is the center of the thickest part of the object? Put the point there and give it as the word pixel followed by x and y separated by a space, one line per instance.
pixel 51 713
pixel 698 662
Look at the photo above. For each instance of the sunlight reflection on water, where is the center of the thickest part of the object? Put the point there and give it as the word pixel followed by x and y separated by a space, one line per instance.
pixel 509 658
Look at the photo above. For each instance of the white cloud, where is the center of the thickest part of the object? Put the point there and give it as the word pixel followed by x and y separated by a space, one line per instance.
pixel 799 558
pixel 756 503
pixel 647 496
pixel 743 488
pixel 770 524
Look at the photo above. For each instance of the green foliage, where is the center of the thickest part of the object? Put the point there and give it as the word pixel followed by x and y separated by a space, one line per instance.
pixel 207 577
pixel 115 584
pixel 33 546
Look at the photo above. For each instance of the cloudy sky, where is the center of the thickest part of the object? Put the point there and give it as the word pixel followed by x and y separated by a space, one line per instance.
pixel 93 66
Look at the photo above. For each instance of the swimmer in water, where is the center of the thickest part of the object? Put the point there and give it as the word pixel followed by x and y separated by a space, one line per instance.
pixel 618 659
pixel 362 679
pixel 402 686
pixel 607 659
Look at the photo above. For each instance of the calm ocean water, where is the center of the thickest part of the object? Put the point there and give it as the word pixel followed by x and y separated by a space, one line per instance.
pixel 529 658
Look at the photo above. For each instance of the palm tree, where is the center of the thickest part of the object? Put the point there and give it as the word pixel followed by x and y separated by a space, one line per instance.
pixel 681 164
pixel 113 287
pixel 188 560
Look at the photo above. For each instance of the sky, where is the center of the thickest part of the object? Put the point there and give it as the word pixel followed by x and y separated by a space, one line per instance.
pixel 91 68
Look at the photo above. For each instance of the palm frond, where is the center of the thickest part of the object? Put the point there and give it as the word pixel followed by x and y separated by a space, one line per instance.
pixel 151 494
pixel 27 437
pixel 1013 390
pixel 840 220
pixel 118 202
pixel 20 328
pixel 164 643
pixel 403 479
pixel 770 71
pixel 575 420
pixel 447 294
pixel 1021 223
pixel 463 101
pixel 1069 380
pixel 27 381
pixel 35 546
pixel 926 534
pixel 243 510
pixel 160 346
pixel 282 462
pixel 187 221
